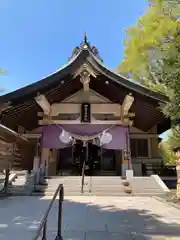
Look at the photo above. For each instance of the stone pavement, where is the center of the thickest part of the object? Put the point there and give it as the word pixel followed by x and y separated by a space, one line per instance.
pixel 91 218
pixel 125 218
pixel 20 217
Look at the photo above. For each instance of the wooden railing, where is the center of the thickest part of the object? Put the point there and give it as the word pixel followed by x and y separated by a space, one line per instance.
pixel 42 231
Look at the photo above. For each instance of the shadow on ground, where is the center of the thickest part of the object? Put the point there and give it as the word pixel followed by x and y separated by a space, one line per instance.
pixel 92 218
pixel 89 218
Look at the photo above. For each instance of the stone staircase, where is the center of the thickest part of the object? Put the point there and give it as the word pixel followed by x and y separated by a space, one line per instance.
pixel 72 186
pixel 107 186
pixel 96 186
pixel 102 186
pixel 145 186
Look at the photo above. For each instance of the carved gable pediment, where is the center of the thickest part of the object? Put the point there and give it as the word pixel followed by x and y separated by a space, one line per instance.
pixel 94 97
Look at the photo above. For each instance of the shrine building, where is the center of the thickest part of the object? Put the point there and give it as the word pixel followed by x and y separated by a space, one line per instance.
pixel 84 112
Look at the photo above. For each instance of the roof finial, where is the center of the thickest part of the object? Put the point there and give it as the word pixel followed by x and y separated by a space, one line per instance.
pixel 85 37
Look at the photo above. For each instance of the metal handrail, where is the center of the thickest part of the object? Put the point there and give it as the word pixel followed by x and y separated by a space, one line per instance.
pixel 82 178
pixel 43 225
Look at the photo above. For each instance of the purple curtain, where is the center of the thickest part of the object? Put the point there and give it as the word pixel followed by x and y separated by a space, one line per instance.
pixel 118 138
pixel 51 134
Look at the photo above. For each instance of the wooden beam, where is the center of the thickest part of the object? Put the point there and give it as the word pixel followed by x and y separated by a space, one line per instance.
pixel 75 108
pixel 40 114
pixel 44 104
pixel 111 122
pixel 31 135
pixel 127 103
pixel 143 135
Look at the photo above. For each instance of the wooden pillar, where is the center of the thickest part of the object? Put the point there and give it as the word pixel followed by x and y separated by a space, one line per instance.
pixel 125 163
pixel 52 162
pixel 45 158
pixel 44 155
pixel 126 155
pixel 149 148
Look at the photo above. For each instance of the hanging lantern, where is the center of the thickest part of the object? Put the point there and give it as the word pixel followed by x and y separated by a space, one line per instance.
pixel 105 138
pixel 65 137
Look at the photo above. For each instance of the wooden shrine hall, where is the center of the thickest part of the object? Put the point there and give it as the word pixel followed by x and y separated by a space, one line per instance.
pixel 84 112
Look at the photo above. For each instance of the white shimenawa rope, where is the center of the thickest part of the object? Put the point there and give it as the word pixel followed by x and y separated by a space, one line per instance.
pixel 83 138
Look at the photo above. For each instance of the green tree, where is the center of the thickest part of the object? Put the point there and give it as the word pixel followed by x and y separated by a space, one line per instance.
pixel 174 137
pixel 167 153
pixel 152 54
pixel 145 43
pixel 152 57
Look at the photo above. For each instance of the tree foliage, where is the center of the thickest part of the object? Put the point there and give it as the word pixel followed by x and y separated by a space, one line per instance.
pixel 171 76
pixel 167 153
pixel 174 137
pixel 147 41
pixel 152 56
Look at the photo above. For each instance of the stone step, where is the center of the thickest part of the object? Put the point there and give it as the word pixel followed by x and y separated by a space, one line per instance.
pixel 80 194
pixel 145 186
pixel 147 194
pixel 99 186
pixel 107 189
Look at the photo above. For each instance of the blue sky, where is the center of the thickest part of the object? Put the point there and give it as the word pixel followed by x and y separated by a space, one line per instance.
pixel 37 36
pixel 165 135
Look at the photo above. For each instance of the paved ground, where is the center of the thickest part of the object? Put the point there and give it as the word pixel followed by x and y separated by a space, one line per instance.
pixel 20 217
pixel 91 218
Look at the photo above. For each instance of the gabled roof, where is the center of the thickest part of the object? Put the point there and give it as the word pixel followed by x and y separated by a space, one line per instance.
pixel 84 53
pixel 64 82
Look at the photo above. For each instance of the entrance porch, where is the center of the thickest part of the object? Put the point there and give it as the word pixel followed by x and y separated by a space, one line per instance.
pixel 98 161
pixel 85 151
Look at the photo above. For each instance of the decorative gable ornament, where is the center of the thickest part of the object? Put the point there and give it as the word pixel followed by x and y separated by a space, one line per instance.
pixel 85 71
pixel 85 45
pixel 85 77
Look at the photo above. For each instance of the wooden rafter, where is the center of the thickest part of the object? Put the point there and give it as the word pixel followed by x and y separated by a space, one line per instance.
pixel 44 104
